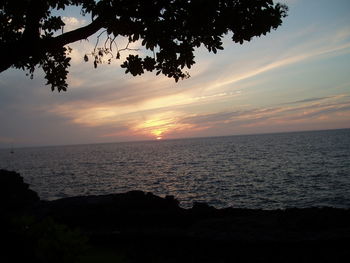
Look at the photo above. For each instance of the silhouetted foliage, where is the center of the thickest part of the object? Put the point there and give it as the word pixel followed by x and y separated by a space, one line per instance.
pixel 31 35
pixel 47 241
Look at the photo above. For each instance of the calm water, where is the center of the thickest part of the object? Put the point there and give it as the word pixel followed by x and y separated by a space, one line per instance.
pixel 299 169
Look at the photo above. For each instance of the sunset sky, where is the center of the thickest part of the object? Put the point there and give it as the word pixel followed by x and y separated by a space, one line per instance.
pixel 295 78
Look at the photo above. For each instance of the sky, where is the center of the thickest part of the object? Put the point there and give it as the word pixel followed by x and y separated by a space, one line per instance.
pixel 294 79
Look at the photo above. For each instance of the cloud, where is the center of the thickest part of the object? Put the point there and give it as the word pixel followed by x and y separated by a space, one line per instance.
pixel 301 46
pixel 291 59
pixel 307 100
pixel 106 94
pixel 261 86
pixel 311 110
pixel 138 89
pixel 72 23
pixel 289 2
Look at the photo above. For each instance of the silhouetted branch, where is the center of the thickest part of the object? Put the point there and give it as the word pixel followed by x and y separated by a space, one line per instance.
pixel 20 50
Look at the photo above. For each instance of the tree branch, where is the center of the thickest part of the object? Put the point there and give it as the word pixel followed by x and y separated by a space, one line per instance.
pixel 21 50
pixel 78 34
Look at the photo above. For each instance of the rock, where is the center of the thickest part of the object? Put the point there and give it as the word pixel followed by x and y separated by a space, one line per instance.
pixel 115 210
pixel 14 193
pixel 146 225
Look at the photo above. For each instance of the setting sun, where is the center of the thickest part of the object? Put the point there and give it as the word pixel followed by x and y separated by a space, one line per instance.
pixel 157 125
pixel 173 130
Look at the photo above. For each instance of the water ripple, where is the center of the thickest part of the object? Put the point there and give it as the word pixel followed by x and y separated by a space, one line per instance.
pixel 257 171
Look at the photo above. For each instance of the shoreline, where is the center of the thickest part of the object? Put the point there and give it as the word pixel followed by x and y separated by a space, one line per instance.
pixel 157 227
pixel 153 226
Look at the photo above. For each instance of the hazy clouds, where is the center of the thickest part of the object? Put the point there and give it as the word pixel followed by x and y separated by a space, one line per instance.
pixel 295 78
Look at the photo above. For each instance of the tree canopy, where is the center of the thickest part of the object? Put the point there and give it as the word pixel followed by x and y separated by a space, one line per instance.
pixel 31 34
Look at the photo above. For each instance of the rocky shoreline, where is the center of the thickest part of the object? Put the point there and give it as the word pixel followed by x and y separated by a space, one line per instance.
pixel 148 228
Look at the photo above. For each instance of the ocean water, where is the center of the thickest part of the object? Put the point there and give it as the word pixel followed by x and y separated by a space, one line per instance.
pixel 269 171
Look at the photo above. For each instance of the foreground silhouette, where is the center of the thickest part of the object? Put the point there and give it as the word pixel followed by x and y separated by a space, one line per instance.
pixel 32 35
pixel 142 227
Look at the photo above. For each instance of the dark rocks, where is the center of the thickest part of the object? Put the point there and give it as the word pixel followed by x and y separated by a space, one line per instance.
pixel 153 226
pixel 14 193
pixel 139 213
pixel 115 211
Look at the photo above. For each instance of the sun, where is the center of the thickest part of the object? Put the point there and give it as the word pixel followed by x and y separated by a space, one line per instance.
pixel 158 133
pixel 158 126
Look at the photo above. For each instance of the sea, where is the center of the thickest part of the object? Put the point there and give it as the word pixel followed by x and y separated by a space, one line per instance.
pixel 265 171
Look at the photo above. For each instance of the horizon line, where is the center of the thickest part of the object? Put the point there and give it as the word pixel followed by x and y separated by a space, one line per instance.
pixel 171 139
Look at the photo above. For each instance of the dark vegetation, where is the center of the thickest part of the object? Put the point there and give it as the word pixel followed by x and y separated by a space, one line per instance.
pixel 31 33
pixel 142 227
